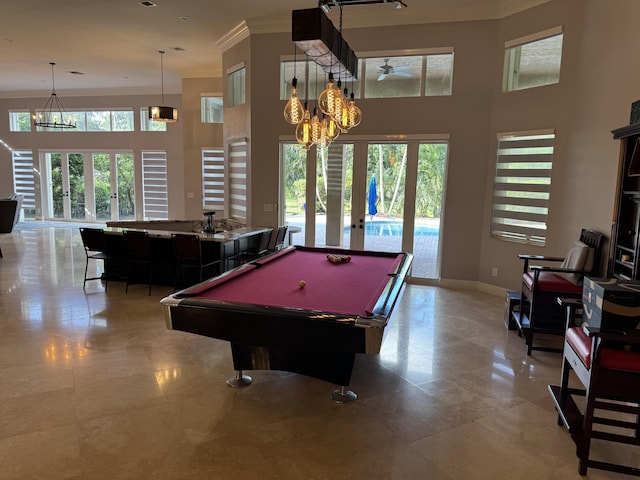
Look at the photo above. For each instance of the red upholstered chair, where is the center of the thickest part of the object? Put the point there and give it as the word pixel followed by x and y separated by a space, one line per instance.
pixel 539 311
pixel 607 364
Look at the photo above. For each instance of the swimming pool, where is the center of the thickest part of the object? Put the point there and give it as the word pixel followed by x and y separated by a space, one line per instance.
pixel 395 229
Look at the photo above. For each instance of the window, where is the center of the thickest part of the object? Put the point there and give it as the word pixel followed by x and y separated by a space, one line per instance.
pixel 533 61
pixel 19 121
pixel 317 82
pixel 211 109
pixel 155 198
pixel 81 123
pixel 213 179
pixel 428 72
pixel 97 121
pixel 122 121
pixel 393 77
pixel 147 125
pixel 521 187
pixel 236 86
pixel 439 75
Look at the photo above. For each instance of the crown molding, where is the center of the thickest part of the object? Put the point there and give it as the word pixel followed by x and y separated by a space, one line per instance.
pixel 90 92
pixel 507 8
pixel 234 36
pixel 275 24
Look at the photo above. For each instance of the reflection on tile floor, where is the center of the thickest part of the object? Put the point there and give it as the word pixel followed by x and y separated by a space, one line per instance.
pixel 93 386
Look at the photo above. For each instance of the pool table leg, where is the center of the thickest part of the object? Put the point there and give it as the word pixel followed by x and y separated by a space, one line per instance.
pixel 344 395
pixel 239 380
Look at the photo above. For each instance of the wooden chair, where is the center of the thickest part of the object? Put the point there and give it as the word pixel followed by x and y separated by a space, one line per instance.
pixel 95 248
pixel 610 376
pixel 539 311
pixel 190 256
pixel 137 246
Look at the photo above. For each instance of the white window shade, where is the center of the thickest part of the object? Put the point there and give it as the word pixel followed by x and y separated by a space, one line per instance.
pixel 154 186
pixel 522 187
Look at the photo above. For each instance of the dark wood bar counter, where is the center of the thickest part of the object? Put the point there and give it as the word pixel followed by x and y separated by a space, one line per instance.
pixel 217 246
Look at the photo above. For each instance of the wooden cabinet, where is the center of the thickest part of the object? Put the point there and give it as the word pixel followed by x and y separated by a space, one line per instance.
pixel 624 254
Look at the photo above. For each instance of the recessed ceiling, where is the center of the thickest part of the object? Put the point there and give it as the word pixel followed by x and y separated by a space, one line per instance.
pixel 114 43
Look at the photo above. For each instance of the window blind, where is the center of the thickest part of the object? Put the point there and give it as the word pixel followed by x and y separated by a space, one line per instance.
pixel 522 187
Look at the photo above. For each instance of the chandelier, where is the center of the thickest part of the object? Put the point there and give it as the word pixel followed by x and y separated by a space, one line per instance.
pixel 53 114
pixel 335 111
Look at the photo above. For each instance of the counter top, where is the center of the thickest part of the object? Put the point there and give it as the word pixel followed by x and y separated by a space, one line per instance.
pixel 223 237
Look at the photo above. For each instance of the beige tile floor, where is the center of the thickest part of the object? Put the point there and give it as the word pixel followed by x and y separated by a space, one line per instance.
pixel 92 386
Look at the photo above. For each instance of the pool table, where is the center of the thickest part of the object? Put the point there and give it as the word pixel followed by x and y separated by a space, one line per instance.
pixel 296 311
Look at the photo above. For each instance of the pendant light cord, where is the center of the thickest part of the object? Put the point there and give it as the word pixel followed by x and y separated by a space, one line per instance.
pixel 161 52
pixel 53 78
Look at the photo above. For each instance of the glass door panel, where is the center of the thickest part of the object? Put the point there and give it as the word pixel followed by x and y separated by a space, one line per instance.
pixel 334 178
pixel 102 186
pixel 76 186
pixel 384 199
pixel 65 186
pixel 294 168
pixel 56 190
pixel 125 196
pixel 432 159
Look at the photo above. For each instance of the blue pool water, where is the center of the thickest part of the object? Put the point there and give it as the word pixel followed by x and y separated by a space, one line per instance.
pixel 395 229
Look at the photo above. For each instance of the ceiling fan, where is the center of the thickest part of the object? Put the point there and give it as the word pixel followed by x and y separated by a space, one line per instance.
pixel 387 69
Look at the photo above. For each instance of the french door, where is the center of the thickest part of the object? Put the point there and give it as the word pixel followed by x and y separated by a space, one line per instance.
pixel 88 186
pixel 370 195
pixel 65 186
pixel 113 185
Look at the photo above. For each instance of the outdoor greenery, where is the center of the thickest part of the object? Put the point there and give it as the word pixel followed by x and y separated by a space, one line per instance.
pixel 387 162
pixel 102 185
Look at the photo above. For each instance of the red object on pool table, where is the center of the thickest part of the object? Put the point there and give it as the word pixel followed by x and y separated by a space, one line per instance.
pixel 273 323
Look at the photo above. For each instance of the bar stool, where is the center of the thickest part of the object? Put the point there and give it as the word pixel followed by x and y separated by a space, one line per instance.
pixel 189 255
pixel 139 255
pixel 95 248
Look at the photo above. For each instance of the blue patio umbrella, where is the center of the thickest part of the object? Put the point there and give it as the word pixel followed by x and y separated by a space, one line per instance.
pixel 373 196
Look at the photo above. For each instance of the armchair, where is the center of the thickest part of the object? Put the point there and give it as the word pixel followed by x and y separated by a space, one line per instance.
pixel 539 311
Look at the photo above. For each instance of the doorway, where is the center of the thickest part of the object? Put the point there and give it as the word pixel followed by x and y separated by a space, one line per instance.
pixel 88 186
pixel 370 195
